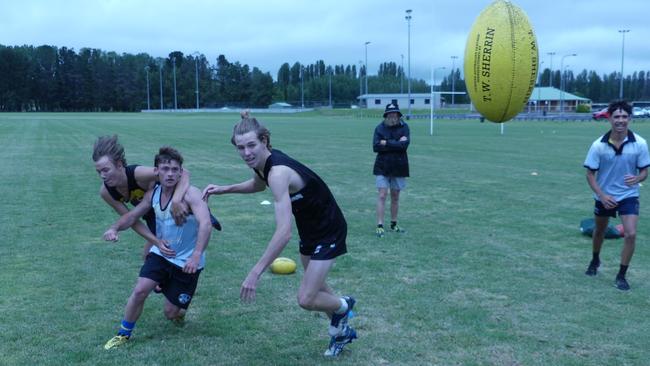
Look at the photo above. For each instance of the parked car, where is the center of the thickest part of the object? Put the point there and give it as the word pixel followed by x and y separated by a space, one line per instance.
pixel 647 111
pixel 601 114
pixel 638 112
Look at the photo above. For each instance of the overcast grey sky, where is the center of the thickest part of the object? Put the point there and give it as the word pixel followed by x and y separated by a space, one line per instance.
pixel 267 33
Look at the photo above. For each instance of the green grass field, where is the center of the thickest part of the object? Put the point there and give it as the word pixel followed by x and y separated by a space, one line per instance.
pixel 490 272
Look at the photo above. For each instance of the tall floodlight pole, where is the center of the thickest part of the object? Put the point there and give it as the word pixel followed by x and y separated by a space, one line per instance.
pixel 622 32
pixel 431 105
pixel 562 81
pixel 408 77
pixel 302 88
pixel 360 85
pixel 453 78
pixel 330 74
pixel 401 77
pixel 196 73
pixel 174 73
pixel 146 69
pixel 367 43
pixel 160 65
pixel 550 75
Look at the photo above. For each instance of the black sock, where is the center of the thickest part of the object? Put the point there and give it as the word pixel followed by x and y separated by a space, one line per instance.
pixel 622 271
pixel 380 225
pixel 596 257
pixel 393 224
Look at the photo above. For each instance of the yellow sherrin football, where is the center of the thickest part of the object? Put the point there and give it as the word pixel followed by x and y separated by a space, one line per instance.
pixel 283 265
pixel 501 61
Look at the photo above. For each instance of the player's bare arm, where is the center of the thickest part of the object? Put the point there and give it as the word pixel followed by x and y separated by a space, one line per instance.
pixel 130 218
pixel 122 210
pixel 631 180
pixel 200 210
pixel 279 181
pixel 252 185
pixel 607 200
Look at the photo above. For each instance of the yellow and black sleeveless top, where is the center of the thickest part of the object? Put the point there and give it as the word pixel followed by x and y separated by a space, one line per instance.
pixel 136 193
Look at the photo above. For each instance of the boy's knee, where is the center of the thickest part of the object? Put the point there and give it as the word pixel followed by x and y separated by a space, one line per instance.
pixel 305 301
pixel 140 294
pixel 171 313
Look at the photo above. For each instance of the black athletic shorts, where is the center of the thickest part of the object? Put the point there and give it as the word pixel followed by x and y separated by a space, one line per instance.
pixel 326 249
pixel 177 286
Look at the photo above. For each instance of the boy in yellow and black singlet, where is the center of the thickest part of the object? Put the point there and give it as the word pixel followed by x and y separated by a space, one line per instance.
pixel 124 183
pixel 135 195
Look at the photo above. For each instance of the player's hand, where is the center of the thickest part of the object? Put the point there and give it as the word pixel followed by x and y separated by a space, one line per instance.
pixel 630 179
pixel 180 210
pixel 111 235
pixel 192 264
pixel 403 138
pixel 210 190
pixel 165 249
pixel 248 288
pixel 382 142
pixel 608 201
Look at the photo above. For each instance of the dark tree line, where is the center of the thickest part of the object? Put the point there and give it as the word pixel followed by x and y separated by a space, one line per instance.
pixel 48 78
pixel 601 88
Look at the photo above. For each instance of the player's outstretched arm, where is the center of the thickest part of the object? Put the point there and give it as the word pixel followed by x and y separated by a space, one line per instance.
pixel 252 185
pixel 122 210
pixel 202 215
pixel 129 219
pixel 279 184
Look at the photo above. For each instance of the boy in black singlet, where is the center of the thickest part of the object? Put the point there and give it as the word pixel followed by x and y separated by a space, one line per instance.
pixel 321 225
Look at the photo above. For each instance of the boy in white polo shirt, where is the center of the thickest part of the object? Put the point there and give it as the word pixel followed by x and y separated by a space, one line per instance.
pixel 616 163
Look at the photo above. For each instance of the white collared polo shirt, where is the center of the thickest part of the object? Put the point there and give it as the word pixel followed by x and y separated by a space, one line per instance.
pixel 612 164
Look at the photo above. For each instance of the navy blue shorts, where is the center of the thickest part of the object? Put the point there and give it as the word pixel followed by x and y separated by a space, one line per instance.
pixel 177 286
pixel 628 206
pixel 326 249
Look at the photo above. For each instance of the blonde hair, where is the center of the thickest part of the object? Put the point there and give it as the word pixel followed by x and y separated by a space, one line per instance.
pixel 250 124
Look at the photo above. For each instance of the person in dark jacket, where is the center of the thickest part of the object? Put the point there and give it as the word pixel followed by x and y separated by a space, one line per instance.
pixel 390 142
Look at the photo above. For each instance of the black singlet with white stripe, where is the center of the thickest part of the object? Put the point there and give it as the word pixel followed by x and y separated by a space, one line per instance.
pixel 318 216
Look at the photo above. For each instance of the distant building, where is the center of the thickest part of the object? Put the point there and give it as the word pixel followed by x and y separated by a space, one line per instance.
pixel 418 100
pixel 549 99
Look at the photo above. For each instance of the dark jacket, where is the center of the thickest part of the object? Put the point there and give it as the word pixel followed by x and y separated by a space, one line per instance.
pixel 392 160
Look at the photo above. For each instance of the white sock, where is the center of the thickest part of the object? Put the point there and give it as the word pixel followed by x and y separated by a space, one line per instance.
pixel 343 308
